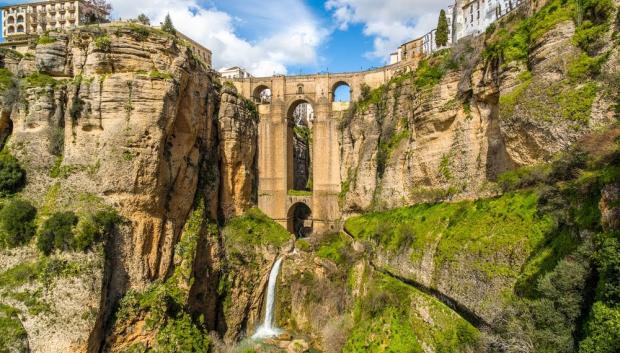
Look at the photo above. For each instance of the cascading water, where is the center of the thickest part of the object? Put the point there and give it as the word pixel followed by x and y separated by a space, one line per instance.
pixel 267 329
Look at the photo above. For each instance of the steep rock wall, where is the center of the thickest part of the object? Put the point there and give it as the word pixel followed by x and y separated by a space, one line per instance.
pixel 412 141
pixel 127 115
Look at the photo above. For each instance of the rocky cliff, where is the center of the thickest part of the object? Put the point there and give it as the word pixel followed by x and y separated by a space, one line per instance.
pixel 465 116
pixel 125 116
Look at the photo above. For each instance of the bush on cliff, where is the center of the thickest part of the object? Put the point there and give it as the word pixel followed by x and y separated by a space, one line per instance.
pixel 57 233
pixel 12 176
pixel 17 225
pixel 92 229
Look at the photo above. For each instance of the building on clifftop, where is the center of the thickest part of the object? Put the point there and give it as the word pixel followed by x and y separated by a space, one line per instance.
pixel 23 20
pixel 235 72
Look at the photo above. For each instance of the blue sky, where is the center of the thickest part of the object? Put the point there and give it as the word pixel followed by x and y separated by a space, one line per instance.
pixel 292 36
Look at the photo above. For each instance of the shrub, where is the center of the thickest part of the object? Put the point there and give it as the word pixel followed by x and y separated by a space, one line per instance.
pixel 6 78
pixel 12 176
pixel 182 335
pixel 38 79
pixel 45 39
pixel 57 233
pixel 17 223
pixel 93 229
pixel 103 43
pixel 585 67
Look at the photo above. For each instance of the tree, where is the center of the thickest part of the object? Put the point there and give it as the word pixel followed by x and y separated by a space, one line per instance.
pixel 168 26
pixel 17 223
pixel 12 176
pixel 142 18
pixel 102 5
pixel 441 39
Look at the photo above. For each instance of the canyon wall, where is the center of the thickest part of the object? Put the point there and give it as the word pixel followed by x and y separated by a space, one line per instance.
pixel 447 137
pixel 125 116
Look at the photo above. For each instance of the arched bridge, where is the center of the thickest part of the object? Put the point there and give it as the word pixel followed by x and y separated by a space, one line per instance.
pixel 277 98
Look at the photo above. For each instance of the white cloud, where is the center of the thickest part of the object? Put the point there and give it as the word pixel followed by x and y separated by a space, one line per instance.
pixel 289 34
pixel 390 22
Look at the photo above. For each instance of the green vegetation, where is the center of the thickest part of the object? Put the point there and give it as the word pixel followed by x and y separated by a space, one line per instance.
pixel 441 38
pixel 45 39
pixel 387 322
pixel 182 335
pixel 57 233
pixel 44 271
pixel 545 233
pixel 160 75
pixel 13 336
pixel 585 67
pixel 386 149
pixel 6 78
pixel 549 101
pixel 161 305
pixel 103 43
pixel 594 19
pixel 17 225
pixel 335 247
pixel 38 79
pixel 12 176
pixel 301 193
pixel 460 228
pixel 93 229
pixel 168 26
pixel 254 228
pixel 139 32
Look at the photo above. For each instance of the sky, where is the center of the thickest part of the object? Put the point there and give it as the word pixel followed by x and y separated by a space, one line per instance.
pixel 292 36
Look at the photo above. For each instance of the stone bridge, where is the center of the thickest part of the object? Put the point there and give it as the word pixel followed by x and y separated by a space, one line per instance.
pixel 275 161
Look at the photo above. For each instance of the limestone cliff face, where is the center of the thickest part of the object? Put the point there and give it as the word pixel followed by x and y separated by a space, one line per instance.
pixel 238 134
pixel 449 139
pixel 130 117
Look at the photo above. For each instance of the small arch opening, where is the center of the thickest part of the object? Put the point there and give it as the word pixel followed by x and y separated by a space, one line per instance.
pixel 300 220
pixel 341 92
pixel 20 19
pixel 300 117
pixel 10 29
pixel 20 29
pixel 10 20
pixel 300 89
pixel 262 95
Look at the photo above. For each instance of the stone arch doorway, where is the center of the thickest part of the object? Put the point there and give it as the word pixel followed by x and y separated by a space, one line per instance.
pixel 300 220
pixel 341 92
pixel 262 94
pixel 300 117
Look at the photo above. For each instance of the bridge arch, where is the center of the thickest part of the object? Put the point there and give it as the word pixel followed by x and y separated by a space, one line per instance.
pixel 341 88
pixel 299 118
pixel 262 94
pixel 299 220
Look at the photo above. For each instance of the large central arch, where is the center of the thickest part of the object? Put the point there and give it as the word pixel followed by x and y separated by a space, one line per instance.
pixel 299 118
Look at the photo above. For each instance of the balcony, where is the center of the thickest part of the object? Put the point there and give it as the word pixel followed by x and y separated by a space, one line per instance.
pixel 71 8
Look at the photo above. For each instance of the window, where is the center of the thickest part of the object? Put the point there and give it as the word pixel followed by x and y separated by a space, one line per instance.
pixel 300 89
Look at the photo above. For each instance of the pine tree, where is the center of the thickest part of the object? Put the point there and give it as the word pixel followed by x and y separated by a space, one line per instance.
pixel 441 39
pixel 168 26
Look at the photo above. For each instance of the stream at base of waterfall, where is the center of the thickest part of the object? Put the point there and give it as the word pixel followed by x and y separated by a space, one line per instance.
pixel 267 328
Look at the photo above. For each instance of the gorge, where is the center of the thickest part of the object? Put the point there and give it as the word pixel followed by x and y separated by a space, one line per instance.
pixel 469 202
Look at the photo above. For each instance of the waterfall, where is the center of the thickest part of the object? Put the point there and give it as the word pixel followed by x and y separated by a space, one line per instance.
pixel 267 329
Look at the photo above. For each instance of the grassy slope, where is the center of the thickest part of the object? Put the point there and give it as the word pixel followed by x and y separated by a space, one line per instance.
pixel 495 228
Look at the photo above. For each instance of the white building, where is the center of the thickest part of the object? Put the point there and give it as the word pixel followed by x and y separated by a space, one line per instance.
pixel 21 20
pixel 234 72
pixel 472 17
